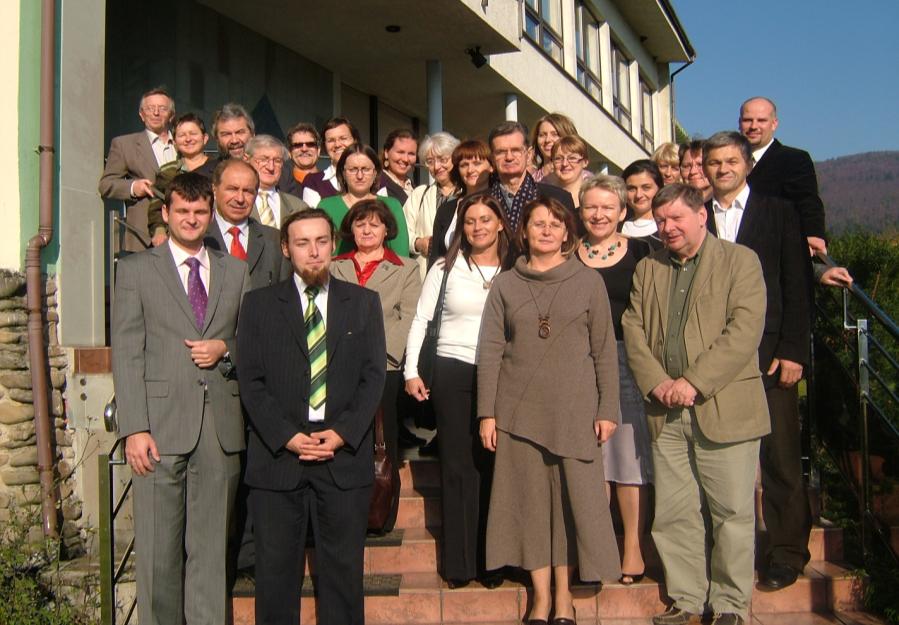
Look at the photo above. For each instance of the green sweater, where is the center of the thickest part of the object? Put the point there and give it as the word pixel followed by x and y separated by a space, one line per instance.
pixel 337 210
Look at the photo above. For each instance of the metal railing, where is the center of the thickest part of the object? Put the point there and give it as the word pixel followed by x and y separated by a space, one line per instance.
pixel 112 569
pixel 854 404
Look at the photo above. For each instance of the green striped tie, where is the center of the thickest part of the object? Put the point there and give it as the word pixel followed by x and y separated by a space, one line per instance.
pixel 318 350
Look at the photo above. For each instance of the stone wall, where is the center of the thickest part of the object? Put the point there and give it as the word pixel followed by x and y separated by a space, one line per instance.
pixel 19 479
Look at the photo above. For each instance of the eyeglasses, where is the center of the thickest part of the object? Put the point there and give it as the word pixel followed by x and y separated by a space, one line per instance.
pixel 355 171
pixel 156 108
pixel 440 160
pixel 303 144
pixel 516 152
pixel 266 160
pixel 571 159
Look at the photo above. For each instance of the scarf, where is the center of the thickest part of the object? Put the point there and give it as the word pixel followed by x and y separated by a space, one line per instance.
pixel 526 193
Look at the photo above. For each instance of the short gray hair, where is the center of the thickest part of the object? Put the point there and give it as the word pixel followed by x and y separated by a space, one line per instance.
pixel 612 184
pixel 230 111
pixel 437 144
pixel 265 141
pixel 726 139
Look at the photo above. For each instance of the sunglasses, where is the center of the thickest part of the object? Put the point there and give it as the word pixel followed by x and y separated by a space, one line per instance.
pixel 303 144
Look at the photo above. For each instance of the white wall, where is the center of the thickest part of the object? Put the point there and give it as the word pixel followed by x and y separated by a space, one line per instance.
pixel 10 233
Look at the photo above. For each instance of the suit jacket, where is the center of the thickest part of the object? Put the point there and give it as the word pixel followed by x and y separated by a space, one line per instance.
pixel 274 381
pixel 398 287
pixel 158 387
pixel 289 204
pixel 130 158
pixel 770 228
pixel 789 173
pixel 726 312
pixel 265 262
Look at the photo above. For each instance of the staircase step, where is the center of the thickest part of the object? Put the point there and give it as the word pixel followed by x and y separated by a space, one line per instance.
pixel 419 508
pixel 424 599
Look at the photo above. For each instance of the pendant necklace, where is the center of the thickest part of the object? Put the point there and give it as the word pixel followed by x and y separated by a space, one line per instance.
pixel 543 326
pixel 591 253
pixel 486 284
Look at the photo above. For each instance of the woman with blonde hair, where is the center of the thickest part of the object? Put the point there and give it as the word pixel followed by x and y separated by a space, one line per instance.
pixel 667 158
pixel 547 130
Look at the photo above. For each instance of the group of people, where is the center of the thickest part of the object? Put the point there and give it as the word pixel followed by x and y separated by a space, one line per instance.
pixel 595 335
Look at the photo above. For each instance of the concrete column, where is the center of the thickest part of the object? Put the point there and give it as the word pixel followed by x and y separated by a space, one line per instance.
pixel 435 96
pixel 511 107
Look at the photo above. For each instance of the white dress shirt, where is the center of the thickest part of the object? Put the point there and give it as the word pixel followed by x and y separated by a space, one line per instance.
pixel 163 150
pixel 639 227
pixel 728 218
pixel 759 153
pixel 321 302
pixel 181 256
pixel 224 226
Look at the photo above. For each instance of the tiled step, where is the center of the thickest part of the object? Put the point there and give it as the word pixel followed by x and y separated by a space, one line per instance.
pixel 424 599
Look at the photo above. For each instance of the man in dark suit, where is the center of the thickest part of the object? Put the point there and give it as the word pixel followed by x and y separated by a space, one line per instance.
pixel 173 343
pixel 233 231
pixel 782 171
pixel 512 185
pixel 132 165
pixel 770 227
pixel 311 379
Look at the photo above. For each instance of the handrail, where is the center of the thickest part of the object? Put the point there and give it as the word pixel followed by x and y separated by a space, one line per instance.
pixel 881 401
pixel 111 571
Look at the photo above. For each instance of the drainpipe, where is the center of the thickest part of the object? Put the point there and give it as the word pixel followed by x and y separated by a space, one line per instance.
pixel 37 350
pixel 671 83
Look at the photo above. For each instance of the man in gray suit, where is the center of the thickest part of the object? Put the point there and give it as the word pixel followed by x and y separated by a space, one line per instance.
pixel 267 156
pixel 132 165
pixel 233 231
pixel 173 344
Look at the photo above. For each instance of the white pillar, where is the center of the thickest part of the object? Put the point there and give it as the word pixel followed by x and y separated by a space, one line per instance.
pixel 435 96
pixel 511 107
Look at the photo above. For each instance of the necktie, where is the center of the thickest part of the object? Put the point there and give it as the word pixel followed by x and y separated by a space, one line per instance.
pixel 318 353
pixel 266 216
pixel 237 248
pixel 196 292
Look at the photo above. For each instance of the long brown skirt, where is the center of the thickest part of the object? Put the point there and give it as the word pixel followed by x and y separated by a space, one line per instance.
pixel 549 511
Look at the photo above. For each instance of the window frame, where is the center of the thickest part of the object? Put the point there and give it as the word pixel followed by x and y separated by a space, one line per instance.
pixel 647 133
pixel 545 30
pixel 585 75
pixel 621 111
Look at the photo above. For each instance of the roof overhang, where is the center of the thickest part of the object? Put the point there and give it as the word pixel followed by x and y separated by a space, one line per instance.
pixel 659 29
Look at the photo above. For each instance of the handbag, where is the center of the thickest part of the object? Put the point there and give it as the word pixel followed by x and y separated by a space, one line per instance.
pixel 428 353
pixel 386 489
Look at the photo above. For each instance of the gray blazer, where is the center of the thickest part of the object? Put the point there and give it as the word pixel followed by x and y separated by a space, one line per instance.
pixel 266 263
pixel 399 288
pixel 289 204
pixel 158 387
pixel 130 158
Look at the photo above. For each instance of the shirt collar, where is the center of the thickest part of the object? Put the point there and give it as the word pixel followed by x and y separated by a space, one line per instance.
pixel 180 256
pixel 155 137
pixel 738 203
pixel 760 152
pixel 389 255
pixel 330 172
pixel 225 225
pixel 693 260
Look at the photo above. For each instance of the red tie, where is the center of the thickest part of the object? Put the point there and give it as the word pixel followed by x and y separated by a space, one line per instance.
pixel 237 249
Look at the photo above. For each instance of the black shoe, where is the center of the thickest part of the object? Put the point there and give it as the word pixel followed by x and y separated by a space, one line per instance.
pixel 676 616
pixel 779 576
pixel 727 618
pixel 408 440
pixel 431 449
pixel 491 580
pixel 457 583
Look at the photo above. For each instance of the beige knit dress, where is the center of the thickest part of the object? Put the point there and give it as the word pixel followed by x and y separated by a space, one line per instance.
pixel 548 504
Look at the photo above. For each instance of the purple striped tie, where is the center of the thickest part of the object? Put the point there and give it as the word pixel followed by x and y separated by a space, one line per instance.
pixel 196 292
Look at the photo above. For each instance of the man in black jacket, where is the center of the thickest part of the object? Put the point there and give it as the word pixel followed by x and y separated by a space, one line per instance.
pixel 311 381
pixel 782 171
pixel 769 226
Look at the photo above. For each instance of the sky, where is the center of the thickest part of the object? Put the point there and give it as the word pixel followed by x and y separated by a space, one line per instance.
pixel 832 68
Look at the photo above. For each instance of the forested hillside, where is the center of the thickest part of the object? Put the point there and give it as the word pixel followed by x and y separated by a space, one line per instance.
pixel 861 191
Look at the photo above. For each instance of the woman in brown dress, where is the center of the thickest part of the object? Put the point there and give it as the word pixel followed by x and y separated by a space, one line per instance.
pixel 547 399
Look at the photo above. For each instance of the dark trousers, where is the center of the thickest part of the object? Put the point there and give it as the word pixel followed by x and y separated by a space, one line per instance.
pixel 466 469
pixel 389 400
pixel 784 499
pixel 280 521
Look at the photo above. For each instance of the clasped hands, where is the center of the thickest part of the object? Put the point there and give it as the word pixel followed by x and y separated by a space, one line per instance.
pixel 316 446
pixel 677 393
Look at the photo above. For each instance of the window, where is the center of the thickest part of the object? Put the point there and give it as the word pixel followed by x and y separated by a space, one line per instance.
pixel 621 88
pixel 646 125
pixel 587 44
pixel 543 25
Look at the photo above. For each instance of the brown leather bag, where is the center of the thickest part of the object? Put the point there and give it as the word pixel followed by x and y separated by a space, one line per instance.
pixel 386 489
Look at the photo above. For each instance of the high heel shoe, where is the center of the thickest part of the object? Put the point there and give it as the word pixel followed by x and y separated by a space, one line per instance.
pixel 628 579
pixel 565 621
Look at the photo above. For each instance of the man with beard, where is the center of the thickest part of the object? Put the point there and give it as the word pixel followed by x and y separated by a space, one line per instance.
pixel 311 379
pixel 232 127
